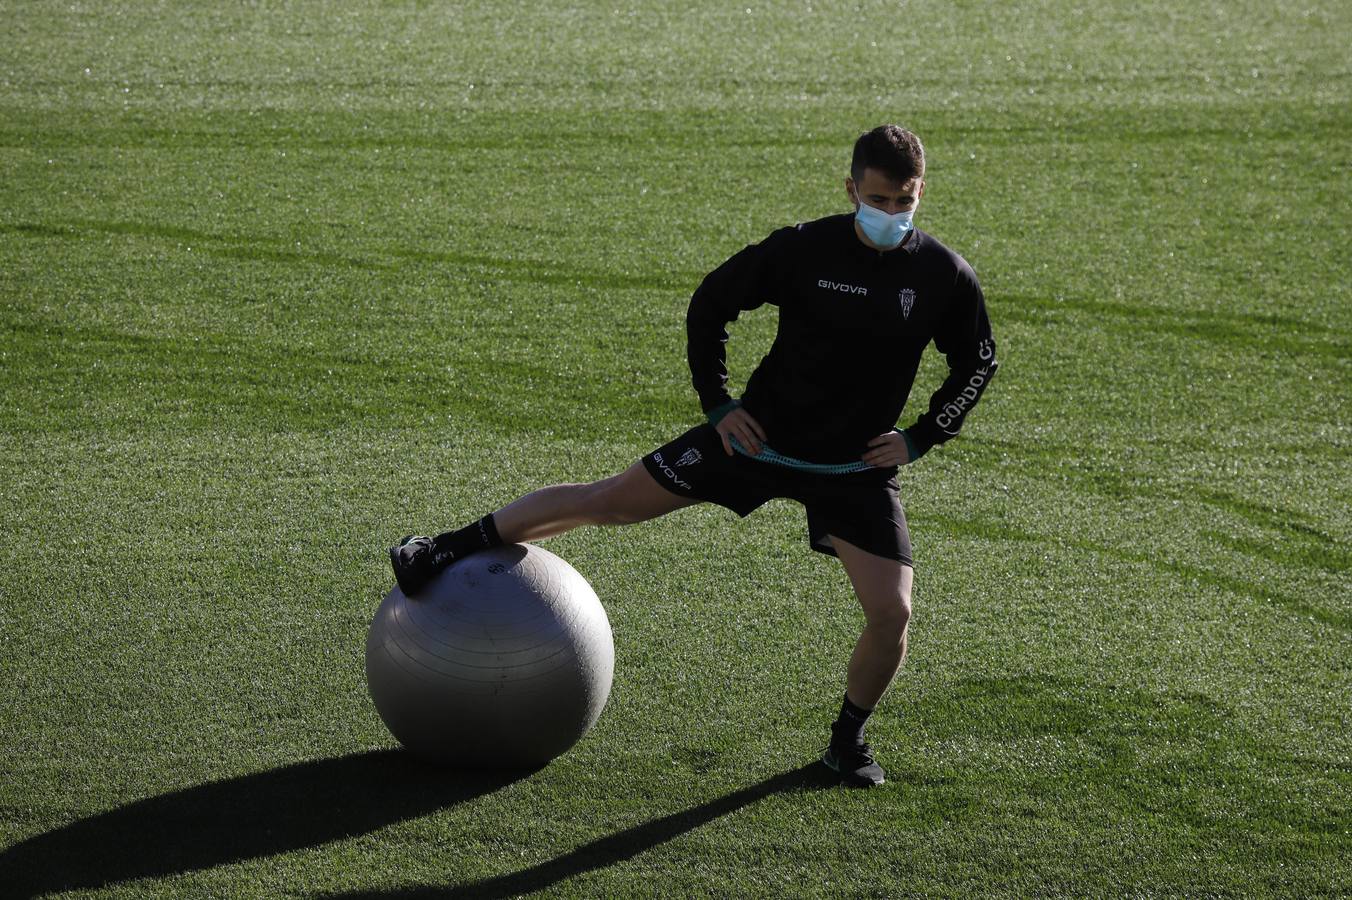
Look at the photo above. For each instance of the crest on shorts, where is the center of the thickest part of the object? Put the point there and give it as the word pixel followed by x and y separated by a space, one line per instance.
pixel 689 457
pixel 907 300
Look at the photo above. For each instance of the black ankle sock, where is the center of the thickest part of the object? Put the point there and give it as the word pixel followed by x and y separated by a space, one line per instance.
pixel 472 538
pixel 849 725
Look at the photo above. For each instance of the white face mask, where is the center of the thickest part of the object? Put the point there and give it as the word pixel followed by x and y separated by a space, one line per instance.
pixel 883 230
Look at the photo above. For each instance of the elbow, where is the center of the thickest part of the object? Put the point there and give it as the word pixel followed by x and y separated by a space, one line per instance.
pixel 985 352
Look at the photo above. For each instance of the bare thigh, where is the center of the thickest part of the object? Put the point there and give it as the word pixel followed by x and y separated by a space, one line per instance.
pixel 882 585
pixel 634 496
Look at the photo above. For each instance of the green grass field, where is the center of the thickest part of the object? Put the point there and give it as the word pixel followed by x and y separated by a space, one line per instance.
pixel 282 282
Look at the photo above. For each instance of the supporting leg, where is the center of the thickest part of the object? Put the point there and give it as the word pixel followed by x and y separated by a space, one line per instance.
pixel 883 587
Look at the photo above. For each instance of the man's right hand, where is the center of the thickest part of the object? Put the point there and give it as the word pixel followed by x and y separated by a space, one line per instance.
pixel 739 423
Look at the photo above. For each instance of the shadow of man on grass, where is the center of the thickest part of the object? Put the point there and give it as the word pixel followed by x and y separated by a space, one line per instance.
pixel 253 816
pixel 618 847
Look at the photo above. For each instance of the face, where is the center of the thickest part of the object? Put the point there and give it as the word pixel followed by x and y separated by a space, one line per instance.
pixel 881 191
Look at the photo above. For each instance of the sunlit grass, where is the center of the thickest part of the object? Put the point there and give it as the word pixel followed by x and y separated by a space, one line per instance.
pixel 279 285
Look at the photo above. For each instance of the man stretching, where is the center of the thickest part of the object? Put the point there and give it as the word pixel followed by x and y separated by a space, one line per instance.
pixel 860 297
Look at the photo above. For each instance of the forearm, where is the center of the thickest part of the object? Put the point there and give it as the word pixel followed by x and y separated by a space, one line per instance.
pixel 708 371
pixel 706 351
pixel 949 405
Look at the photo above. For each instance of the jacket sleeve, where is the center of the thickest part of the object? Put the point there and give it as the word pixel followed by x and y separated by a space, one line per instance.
pixel 964 337
pixel 747 280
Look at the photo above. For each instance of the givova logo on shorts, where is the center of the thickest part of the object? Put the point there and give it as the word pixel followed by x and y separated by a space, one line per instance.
pixel 671 473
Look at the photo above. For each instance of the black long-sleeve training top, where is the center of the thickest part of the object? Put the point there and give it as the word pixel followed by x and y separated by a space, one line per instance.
pixel 853 323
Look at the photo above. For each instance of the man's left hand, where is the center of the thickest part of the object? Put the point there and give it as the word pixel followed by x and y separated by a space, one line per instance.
pixel 888 450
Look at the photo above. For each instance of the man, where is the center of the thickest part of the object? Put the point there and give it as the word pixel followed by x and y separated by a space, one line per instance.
pixel 860 296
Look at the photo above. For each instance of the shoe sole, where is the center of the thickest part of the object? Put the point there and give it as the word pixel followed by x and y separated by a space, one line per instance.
pixel 394 564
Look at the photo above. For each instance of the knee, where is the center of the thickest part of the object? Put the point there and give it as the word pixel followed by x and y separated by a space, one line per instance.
pixel 891 619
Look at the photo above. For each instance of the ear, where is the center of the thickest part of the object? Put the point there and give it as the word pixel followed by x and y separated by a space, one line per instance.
pixel 850 191
pixel 920 191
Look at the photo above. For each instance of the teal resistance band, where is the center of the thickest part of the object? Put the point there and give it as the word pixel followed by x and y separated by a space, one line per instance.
pixel 774 457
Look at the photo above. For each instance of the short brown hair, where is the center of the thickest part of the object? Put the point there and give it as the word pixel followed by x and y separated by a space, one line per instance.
pixel 891 149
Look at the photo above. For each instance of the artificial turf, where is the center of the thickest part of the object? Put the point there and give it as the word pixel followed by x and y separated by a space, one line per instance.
pixel 282 282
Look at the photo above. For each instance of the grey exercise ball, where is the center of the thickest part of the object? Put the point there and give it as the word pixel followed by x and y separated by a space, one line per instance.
pixel 503 660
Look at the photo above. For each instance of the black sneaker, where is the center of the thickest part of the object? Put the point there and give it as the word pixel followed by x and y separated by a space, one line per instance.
pixel 415 563
pixel 854 764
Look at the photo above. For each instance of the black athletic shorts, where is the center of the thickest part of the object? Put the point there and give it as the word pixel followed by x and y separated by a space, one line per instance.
pixel 863 508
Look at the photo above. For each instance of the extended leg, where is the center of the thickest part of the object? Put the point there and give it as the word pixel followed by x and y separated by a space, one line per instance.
pixel 632 496
pixel 883 587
